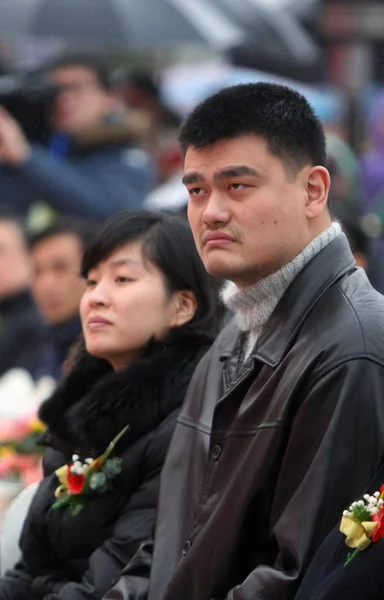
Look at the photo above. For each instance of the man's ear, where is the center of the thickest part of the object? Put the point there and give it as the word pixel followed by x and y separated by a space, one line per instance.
pixel 318 184
pixel 185 307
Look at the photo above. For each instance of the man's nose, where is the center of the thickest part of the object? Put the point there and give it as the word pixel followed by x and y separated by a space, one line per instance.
pixel 216 209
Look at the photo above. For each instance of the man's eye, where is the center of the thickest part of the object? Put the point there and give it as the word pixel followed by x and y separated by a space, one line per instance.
pixel 197 191
pixel 237 186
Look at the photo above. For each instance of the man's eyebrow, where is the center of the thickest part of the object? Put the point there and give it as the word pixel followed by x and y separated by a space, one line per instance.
pixel 192 178
pixel 237 171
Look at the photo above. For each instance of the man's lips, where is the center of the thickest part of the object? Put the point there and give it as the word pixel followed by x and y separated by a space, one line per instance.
pixel 216 238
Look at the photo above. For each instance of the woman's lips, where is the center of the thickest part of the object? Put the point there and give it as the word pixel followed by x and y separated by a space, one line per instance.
pixel 98 323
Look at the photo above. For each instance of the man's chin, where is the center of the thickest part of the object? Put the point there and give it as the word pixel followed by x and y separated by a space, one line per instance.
pixel 219 268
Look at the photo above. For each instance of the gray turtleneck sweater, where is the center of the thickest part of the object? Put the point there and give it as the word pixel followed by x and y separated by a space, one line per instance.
pixel 254 305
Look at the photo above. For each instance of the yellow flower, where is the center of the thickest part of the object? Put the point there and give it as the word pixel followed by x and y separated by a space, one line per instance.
pixel 358 534
pixel 62 476
pixel 37 426
pixel 6 451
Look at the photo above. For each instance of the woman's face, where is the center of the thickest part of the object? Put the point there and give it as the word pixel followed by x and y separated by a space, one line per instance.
pixel 125 304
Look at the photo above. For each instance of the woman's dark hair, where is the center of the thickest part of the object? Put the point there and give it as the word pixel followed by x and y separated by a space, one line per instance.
pixel 167 242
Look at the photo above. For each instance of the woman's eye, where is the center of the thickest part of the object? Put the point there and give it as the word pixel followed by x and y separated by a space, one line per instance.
pixel 91 282
pixel 122 279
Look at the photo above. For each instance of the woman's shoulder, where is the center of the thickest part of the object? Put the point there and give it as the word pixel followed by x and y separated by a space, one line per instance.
pixel 329 577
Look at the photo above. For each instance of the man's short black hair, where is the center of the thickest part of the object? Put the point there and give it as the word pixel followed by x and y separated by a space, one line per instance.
pixel 81 229
pixel 279 114
pixel 92 62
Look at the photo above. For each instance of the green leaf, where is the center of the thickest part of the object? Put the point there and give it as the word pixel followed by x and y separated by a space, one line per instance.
pixel 351 556
pixel 112 445
pixel 112 467
pixel 361 514
pixel 61 503
pixel 77 506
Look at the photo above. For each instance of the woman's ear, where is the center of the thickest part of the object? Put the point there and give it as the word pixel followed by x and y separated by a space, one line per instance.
pixel 185 307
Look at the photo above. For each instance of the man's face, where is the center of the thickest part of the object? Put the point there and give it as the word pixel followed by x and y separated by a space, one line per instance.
pixel 57 285
pixel 247 214
pixel 82 103
pixel 15 263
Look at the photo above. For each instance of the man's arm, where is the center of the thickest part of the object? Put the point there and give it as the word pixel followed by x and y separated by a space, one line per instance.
pixel 133 582
pixel 334 445
pixel 114 183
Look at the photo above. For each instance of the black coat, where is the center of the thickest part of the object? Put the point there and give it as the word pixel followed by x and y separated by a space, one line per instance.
pixel 270 448
pixel 63 338
pixel 23 336
pixel 66 557
pixel 362 579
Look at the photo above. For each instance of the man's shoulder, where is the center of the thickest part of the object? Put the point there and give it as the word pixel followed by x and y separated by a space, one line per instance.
pixel 350 317
pixel 358 301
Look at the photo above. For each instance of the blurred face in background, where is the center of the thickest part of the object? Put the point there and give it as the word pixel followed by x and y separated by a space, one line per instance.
pixel 15 263
pixel 57 285
pixel 82 103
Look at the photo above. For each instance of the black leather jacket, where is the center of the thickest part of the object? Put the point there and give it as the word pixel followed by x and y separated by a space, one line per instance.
pixel 267 454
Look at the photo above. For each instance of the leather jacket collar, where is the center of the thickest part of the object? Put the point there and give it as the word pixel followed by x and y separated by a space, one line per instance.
pixel 330 265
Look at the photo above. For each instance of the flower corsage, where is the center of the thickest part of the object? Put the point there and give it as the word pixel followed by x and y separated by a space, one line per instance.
pixel 80 479
pixel 363 523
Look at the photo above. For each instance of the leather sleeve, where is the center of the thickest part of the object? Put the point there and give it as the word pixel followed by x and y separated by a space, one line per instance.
pixel 323 469
pixel 134 580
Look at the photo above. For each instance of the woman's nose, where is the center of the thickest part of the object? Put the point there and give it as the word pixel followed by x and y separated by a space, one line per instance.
pixel 98 296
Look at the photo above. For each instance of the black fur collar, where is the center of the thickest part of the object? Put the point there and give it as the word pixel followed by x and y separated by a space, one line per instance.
pixel 93 403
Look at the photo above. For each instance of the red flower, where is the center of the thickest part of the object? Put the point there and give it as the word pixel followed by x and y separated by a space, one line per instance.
pixel 76 482
pixel 379 531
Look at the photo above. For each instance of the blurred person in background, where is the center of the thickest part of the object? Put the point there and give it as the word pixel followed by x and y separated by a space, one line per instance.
pixel 373 181
pixel 23 337
pixel 372 161
pixel 57 286
pixel 346 197
pixel 358 240
pixel 148 316
pixel 95 164
pixel 346 176
pixel 139 90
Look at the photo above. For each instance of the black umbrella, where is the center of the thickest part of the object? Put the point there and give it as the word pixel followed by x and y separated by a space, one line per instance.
pixel 136 23
pixel 276 40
